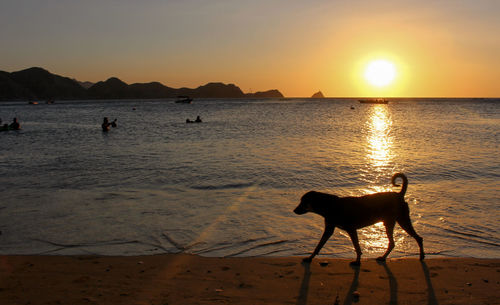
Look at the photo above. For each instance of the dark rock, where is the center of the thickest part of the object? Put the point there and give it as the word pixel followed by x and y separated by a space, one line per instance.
pixel 318 94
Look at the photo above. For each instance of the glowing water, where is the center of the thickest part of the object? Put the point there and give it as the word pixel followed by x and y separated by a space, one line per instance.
pixel 228 186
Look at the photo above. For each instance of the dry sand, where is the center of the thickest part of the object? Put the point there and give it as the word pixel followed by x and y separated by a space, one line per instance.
pixel 190 279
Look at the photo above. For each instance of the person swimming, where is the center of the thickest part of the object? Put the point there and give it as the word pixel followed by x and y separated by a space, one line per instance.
pixel 15 125
pixel 106 124
pixel 198 120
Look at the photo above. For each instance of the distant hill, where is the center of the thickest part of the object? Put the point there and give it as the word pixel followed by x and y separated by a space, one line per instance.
pixel 111 88
pixel 150 90
pixel 318 94
pixel 37 83
pixel 85 85
pixel 11 89
pixel 213 90
pixel 265 94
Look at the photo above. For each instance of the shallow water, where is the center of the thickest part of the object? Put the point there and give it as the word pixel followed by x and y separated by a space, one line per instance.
pixel 227 186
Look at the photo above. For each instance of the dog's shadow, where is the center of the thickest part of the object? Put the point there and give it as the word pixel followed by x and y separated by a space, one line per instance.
pixel 393 284
pixel 431 296
pixel 350 297
pixel 304 287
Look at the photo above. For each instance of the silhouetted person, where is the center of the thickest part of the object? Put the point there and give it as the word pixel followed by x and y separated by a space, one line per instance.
pixel 113 124
pixel 105 124
pixel 15 125
pixel 198 119
pixel 189 121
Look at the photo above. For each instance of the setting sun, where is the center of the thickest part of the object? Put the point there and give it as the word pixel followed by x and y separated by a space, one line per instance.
pixel 380 72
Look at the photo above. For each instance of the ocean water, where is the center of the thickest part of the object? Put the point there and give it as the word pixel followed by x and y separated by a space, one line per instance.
pixel 227 186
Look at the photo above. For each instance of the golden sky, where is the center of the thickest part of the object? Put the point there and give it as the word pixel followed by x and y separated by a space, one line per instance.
pixel 447 48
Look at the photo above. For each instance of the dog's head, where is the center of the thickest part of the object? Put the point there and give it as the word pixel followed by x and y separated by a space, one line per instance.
pixel 306 203
pixel 315 202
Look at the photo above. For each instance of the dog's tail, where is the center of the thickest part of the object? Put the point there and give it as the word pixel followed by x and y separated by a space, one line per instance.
pixel 405 182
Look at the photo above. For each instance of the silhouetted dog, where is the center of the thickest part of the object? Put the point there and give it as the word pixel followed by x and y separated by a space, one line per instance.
pixel 352 213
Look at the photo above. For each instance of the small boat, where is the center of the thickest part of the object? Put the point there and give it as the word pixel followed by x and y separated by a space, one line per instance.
pixel 33 103
pixel 374 101
pixel 50 101
pixel 184 100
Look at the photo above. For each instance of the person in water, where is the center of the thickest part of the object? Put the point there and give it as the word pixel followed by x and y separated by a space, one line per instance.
pixel 105 124
pixel 15 125
pixel 198 119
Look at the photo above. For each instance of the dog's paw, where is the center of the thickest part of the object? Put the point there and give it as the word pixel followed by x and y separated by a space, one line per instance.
pixel 307 260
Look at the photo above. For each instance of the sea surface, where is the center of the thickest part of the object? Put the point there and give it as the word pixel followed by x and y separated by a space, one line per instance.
pixel 227 186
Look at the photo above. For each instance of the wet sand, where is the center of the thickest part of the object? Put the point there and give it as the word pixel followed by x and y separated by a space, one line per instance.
pixel 191 279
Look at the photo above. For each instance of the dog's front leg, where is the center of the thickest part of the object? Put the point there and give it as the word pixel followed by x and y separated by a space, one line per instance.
pixel 355 242
pixel 326 235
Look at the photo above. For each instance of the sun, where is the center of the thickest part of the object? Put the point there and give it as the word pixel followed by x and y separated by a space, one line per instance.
pixel 380 72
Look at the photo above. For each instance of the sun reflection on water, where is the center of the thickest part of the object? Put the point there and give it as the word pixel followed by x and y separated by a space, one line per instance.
pixel 379 157
pixel 374 238
pixel 379 140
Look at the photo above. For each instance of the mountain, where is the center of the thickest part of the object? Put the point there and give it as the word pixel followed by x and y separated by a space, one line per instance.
pixel 112 88
pixel 40 84
pixel 265 94
pixel 37 83
pixel 318 94
pixel 151 90
pixel 85 85
pixel 115 88
pixel 11 89
pixel 214 90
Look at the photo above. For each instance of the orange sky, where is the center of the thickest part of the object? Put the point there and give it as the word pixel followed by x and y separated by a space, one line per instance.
pixel 444 49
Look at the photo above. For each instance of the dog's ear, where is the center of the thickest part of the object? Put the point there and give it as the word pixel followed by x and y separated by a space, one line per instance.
pixel 309 196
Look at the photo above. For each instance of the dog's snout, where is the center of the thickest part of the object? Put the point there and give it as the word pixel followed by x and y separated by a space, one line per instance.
pixel 300 210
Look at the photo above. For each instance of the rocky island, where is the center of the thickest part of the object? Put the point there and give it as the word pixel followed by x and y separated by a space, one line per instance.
pixel 318 94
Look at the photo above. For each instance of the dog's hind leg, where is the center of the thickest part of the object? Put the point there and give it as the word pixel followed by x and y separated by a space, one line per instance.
pixel 326 235
pixel 405 223
pixel 389 229
pixel 355 242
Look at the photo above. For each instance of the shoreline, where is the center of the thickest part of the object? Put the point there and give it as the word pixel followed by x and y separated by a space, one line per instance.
pixel 191 279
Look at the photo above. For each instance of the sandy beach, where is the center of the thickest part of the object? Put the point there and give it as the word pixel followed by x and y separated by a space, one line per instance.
pixel 191 279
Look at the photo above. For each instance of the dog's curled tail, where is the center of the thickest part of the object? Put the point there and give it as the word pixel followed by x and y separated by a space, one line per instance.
pixel 405 182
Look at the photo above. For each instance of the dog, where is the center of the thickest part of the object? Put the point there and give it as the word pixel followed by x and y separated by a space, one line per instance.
pixel 352 213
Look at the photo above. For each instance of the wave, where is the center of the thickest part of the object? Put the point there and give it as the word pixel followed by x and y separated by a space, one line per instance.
pixel 58 246
pixel 222 187
pixel 474 235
